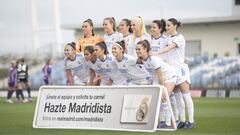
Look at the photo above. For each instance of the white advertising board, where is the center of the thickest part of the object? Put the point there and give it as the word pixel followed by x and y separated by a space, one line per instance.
pixel 125 108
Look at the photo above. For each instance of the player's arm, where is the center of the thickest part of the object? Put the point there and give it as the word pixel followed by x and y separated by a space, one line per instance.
pixel 92 75
pixel 110 82
pixel 78 46
pixel 69 77
pixel 160 76
pixel 166 49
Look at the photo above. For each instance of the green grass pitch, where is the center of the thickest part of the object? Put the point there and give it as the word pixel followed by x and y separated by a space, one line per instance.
pixel 213 116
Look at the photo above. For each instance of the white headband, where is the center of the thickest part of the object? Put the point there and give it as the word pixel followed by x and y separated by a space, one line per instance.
pixel 118 45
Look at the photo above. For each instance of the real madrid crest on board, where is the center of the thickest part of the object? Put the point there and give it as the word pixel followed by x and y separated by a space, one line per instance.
pixel 142 110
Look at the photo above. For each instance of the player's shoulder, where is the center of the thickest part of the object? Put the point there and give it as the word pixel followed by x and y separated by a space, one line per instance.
pixel 98 38
pixel 109 57
pixel 163 36
pixel 80 55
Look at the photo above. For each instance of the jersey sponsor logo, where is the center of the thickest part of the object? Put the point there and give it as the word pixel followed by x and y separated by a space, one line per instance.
pixel 80 67
pixel 123 70
pixel 150 70
pixel 106 70
pixel 155 48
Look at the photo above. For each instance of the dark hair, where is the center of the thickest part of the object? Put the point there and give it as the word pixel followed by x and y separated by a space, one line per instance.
pixel 128 22
pixel 112 21
pixel 161 24
pixel 103 46
pixel 175 22
pixel 72 44
pixel 91 24
pixel 21 59
pixel 122 44
pixel 48 61
pixel 145 44
pixel 89 49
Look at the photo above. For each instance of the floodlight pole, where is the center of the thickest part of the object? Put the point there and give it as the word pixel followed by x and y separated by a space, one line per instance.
pixel 57 27
pixel 35 26
pixel 57 48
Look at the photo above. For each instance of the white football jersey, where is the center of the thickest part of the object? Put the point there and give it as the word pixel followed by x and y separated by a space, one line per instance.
pixel 78 67
pixel 176 56
pixel 153 63
pixel 109 71
pixel 158 43
pixel 110 39
pixel 132 71
pixel 132 45
pixel 128 40
pixel 96 66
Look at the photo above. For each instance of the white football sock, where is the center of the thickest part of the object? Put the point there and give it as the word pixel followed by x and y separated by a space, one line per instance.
pixel 180 105
pixel 190 107
pixel 174 106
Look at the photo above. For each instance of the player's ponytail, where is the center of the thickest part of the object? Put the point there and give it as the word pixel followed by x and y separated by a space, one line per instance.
pixel 114 24
pixel 128 23
pixel 175 22
pixel 161 25
pixel 163 22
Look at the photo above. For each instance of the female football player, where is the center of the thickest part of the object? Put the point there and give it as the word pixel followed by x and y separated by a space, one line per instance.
pixel 109 73
pixel 158 39
pixel 126 30
pixel 128 65
pixel 139 33
pixel 90 38
pixel 162 74
pixel 111 35
pixel 76 68
pixel 175 56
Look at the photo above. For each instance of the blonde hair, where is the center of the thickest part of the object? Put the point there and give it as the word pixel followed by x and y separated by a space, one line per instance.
pixel 139 20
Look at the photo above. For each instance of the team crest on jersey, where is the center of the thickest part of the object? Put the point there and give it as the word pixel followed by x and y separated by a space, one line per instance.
pixel 79 62
pixel 149 65
pixel 158 43
pixel 124 66
pixel 107 65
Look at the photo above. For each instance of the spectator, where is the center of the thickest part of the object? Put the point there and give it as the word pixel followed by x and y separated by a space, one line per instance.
pixel 47 70
pixel 12 74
